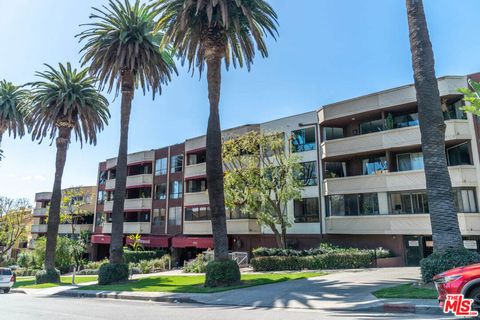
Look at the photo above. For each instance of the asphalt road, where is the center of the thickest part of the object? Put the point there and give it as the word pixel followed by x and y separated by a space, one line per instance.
pixel 25 307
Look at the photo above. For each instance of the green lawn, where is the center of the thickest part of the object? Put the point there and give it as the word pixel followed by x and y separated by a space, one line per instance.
pixel 29 282
pixel 407 291
pixel 194 284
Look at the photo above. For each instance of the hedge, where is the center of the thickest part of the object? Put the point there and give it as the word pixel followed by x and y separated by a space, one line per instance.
pixel 222 273
pixel 330 260
pixel 441 261
pixel 137 256
pixel 111 273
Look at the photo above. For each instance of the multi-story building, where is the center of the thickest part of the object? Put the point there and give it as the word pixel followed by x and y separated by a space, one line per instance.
pixel 374 183
pixel 84 216
pixel 366 185
pixel 153 202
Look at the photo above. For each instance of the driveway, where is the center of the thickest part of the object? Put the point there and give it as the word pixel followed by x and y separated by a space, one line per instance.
pixel 340 290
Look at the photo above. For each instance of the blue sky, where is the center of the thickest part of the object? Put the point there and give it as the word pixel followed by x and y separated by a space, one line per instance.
pixel 327 51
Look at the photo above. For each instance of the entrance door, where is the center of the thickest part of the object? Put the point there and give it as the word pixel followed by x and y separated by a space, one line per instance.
pixel 413 250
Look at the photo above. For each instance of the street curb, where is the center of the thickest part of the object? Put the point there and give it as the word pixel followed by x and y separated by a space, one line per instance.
pixel 124 296
pixel 404 308
pixel 18 291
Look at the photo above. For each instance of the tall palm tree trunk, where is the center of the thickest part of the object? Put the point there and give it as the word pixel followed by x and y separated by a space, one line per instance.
pixel 214 160
pixel 116 246
pixel 62 142
pixel 443 216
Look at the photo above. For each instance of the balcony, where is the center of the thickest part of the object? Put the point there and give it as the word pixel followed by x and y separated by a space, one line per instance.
pixel 196 198
pixel 411 224
pixel 132 181
pixel 40 212
pixel 138 157
pixel 461 176
pixel 388 139
pixel 43 196
pixel 240 226
pixel 130 228
pixel 77 228
pixel 131 204
pixel 39 228
pixel 195 170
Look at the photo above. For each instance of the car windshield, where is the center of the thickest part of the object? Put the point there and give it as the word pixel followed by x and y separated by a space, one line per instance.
pixel 5 272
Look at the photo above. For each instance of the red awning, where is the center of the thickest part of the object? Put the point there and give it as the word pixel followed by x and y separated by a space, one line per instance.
pixel 184 242
pixel 152 242
pixel 101 239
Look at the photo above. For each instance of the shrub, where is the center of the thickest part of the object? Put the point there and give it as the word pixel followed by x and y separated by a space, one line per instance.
pixel 222 273
pixel 270 252
pixel 330 260
pixel 95 264
pixel 137 256
pixel 26 272
pixel 63 253
pixel 111 273
pixel 25 259
pixel 439 262
pixel 150 266
pixel 198 265
pixel 383 253
pixel 47 276
pixel 87 272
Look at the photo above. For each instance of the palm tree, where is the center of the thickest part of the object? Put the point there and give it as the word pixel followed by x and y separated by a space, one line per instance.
pixel 443 216
pixel 124 53
pixel 207 32
pixel 11 113
pixel 64 100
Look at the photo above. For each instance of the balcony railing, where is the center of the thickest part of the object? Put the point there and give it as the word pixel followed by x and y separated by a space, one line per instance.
pixel 40 212
pixel 461 176
pixel 132 181
pixel 42 196
pixel 131 204
pixel 138 157
pixel 130 227
pixel 237 226
pixel 195 170
pixel 394 138
pixel 196 198
pixel 39 228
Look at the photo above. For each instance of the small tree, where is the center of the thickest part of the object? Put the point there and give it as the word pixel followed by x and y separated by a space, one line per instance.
pixel 136 244
pixel 472 96
pixel 73 208
pixel 261 178
pixel 13 216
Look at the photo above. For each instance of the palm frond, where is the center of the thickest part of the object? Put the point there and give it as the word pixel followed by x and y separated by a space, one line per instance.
pixel 235 27
pixel 120 38
pixel 66 97
pixel 12 115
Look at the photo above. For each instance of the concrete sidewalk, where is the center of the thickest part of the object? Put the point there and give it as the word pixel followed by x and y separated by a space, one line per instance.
pixel 339 291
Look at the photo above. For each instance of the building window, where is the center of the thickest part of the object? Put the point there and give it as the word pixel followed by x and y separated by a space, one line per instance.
pixel 459 155
pixel 352 204
pixel 175 216
pixel 112 173
pixel 410 161
pixel 197 213
pixel 332 133
pixel 303 139
pixel 101 197
pixel 161 191
pixel 142 216
pixel 374 165
pixel 197 185
pixel 159 216
pixel 238 213
pixel 102 177
pixel 110 195
pixel 139 169
pixel 139 193
pixel 176 189
pixel 161 167
pixel 176 163
pixel 306 210
pixel 465 200
pixel 308 173
pixel 371 126
pixel 99 218
pixel 409 202
pixel 335 169
pixel 196 158
pixel 453 111
pixel 404 120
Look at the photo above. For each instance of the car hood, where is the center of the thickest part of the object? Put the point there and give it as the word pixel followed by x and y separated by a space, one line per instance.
pixel 459 270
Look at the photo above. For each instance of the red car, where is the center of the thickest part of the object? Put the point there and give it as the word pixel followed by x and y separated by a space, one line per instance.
pixel 463 280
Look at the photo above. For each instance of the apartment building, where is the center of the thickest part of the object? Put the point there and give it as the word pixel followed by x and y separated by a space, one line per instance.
pixel 153 203
pixel 374 189
pixel 85 214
